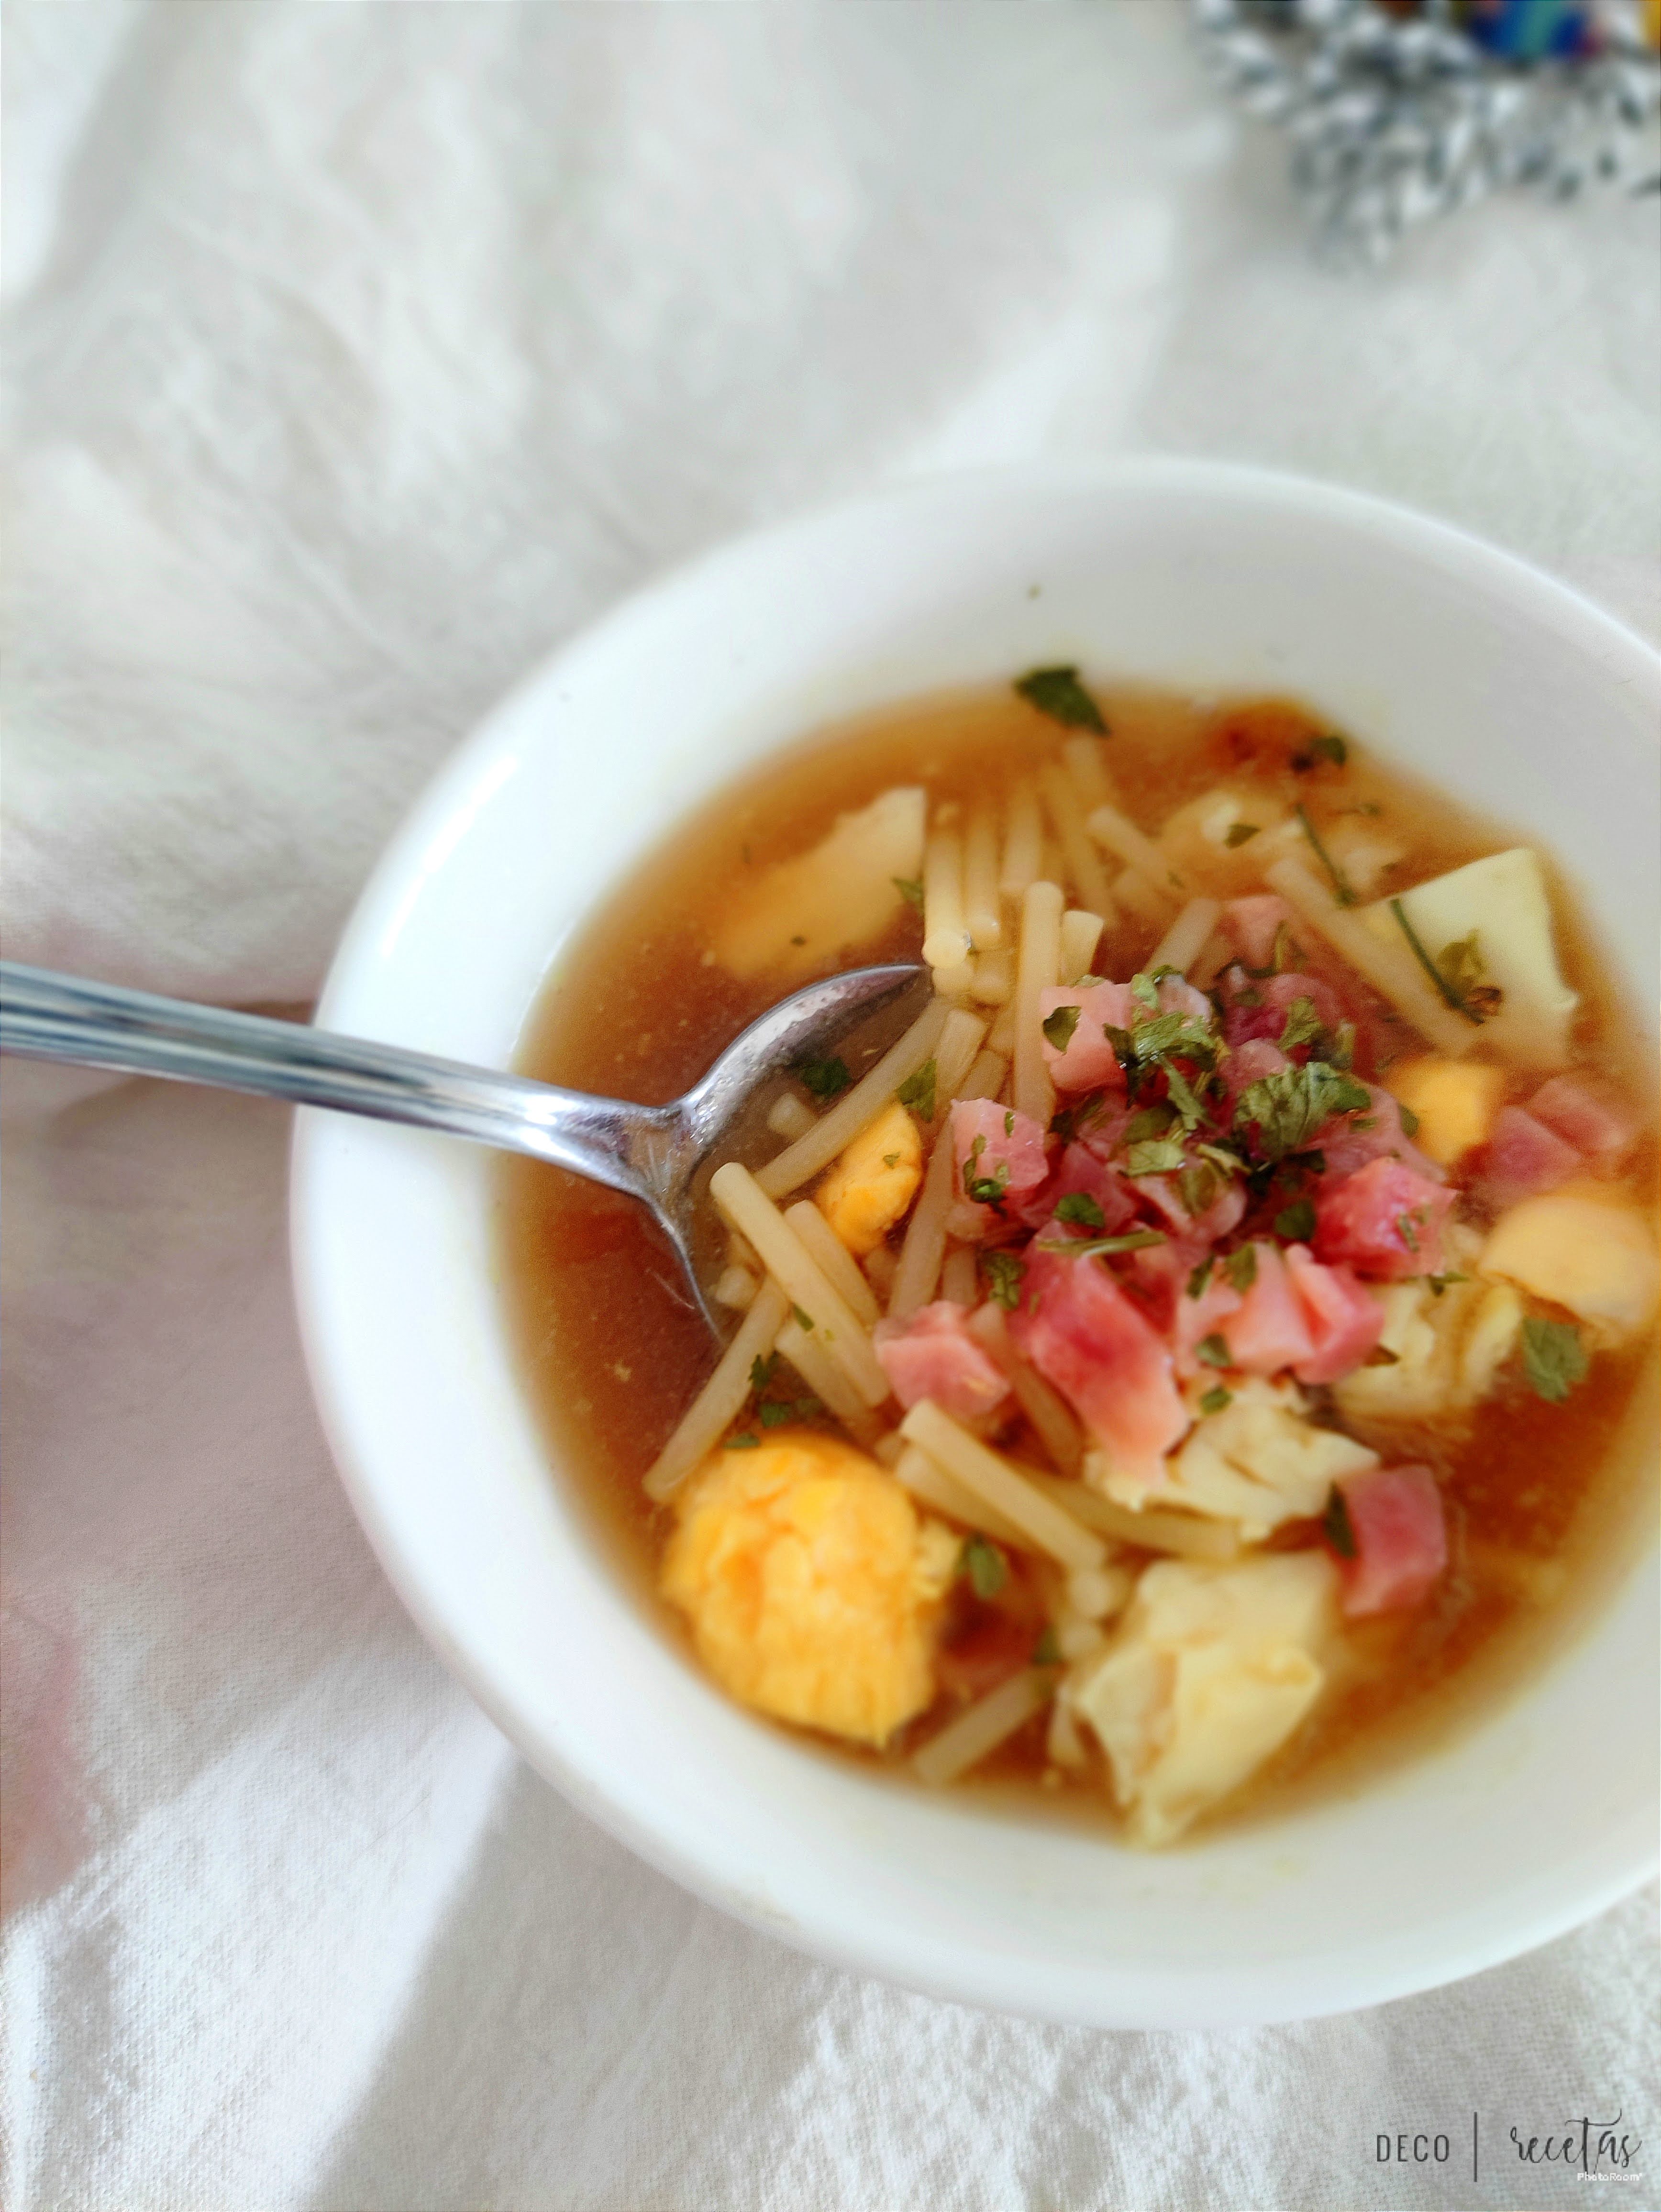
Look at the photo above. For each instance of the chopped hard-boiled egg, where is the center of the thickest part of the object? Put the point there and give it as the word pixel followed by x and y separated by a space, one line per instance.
pixel 1213 1669
pixel 800 914
pixel 865 1191
pixel 1259 1462
pixel 1454 1101
pixel 1444 1342
pixel 810 1584
pixel 1487 926
pixel 1589 1253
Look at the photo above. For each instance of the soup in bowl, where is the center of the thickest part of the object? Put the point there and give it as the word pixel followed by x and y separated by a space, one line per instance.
pixel 1171 1496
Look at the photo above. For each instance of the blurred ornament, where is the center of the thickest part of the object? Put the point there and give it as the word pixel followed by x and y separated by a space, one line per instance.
pixel 1400 110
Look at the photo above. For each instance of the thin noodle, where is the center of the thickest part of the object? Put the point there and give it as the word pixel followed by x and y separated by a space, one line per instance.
pixel 945 938
pixel 1185 936
pixel 1084 869
pixel 957 982
pixel 1000 1038
pixel 1051 1417
pixel 1040 970
pixel 958 1280
pixel 1088 769
pixel 1132 889
pixel 1209 963
pixel 965 1741
pixel 788 1117
pixel 1022 842
pixel 859 1110
pixel 925 1237
pixel 931 1482
pixel 1081 933
pixel 980 881
pixel 1184 1535
pixel 994 979
pixel 954 1056
pixel 734 1287
pixel 993 1479
pixel 827 1381
pixel 800 1276
pixel 702 1426
pixel 1109 827
pixel 1392 972
pixel 985 1078
pixel 842 1269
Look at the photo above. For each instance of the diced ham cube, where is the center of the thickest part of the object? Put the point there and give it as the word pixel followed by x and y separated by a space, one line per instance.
pixel 1249 1065
pixel 1588 1114
pixel 1079 1173
pixel 1163 1194
pixel 1088 1061
pixel 1346 1146
pixel 1344 1318
pixel 1082 1334
pixel 931 1355
pixel 1193 1320
pixel 1524 1157
pixel 1385 1221
pixel 1275 998
pixel 1401 1536
pixel 1268 1332
pixel 1178 996
pixel 1011 1155
pixel 1251 925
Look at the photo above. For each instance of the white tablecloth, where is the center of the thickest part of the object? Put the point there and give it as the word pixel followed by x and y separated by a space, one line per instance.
pixel 357 354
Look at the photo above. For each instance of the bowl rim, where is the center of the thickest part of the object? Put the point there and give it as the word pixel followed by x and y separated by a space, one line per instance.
pixel 448 793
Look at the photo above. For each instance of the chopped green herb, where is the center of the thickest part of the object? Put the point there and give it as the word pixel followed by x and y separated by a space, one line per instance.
pixel 1365 1122
pixel 1047 1651
pixel 1146 992
pixel 1462 963
pixel 1058 1027
pixel 1340 889
pixel 803 1320
pixel 747 1440
pixel 984 1564
pixel 1221 1157
pixel 1554 1357
pixel 1009 1125
pixel 1201 1276
pixel 1296 1222
pixel 1302 1025
pixel 1439 1283
pixel 1241 833
pixel 1288 1107
pixel 910 891
pixel 1087 1248
pixel 1216 1400
pixel 1444 990
pixel 984 1190
pixel 1341 1048
pixel 1152 1122
pixel 773 1414
pixel 1078 1205
pixel 1213 1350
pixel 762 1371
pixel 1241 1267
pixel 1160 1156
pixel 824 1077
pixel 1339 1529
pixel 1183 1097
pixel 1332 748
pixel 918 1091
pixel 1004 1276
pixel 1409 1120
pixel 1197 1187
pixel 1058 693
pixel 891 1159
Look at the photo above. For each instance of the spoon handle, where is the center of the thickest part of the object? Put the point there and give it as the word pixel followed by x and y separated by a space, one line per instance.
pixel 45 1016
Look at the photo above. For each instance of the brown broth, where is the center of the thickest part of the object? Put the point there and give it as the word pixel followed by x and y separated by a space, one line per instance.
pixel 1544 1503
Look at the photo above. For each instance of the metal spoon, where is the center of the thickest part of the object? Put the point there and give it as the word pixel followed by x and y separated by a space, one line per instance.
pixel 652 1153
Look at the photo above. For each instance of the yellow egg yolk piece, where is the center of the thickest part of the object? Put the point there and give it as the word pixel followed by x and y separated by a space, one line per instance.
pixel 875 1179
pixel 810 1584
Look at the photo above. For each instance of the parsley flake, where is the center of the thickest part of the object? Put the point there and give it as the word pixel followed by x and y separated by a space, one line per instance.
pixel 1241 833
pixel 1201 1276
pixel 748 1440
pixel 984 1564
pixel 1340 889
pixel 1302 1026
pixel 1216 1398
pixel 1047 1651
pixel 1409 1120
pixel 1296 1222
pixel 1554 1357
pixel 1158 1156
pixel 1445 989
pixel 1336 1523
pixel 1004 1276
pixel 1213 1350
pixel 918 1091
pixel 802 1320
pixel 1241 1267
pixel 824 1077
pixel 910 891
pixel 1058 1027
pixel 1288 1108
pixel 1058 693
pixel 762 1372
pixel 1078 1205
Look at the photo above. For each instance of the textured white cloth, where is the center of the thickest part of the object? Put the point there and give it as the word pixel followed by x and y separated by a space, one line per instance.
pixel 357 354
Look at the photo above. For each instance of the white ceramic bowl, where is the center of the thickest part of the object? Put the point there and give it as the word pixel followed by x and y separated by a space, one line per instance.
pixel 1443 654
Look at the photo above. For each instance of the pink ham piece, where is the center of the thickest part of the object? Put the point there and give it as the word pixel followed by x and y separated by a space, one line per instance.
pixel 1268 1332
pixel 1251 925
pixel 1343 1317
pixel 1401 1539
pixel 1010 1143
pixel 1384 1221
pixel 1195 1319
pixel 1082 1334
pixel 1586 1113
pixel 931 1355
pixel 1080 1173
pixel 1249 1065
pixel 1275 998
pixel 1088 1062
pixel 1347 1147
pixel 1524 1157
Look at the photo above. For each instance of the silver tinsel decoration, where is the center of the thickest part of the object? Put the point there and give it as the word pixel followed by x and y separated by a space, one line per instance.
pixel 1395 117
